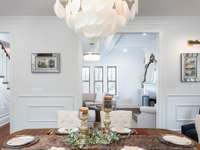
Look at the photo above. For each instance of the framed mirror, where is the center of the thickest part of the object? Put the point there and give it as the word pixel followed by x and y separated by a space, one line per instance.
pixel 190 67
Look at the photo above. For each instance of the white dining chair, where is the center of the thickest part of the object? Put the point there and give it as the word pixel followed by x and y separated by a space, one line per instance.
pixel 197 126
pixel 68 119
pixel 119 119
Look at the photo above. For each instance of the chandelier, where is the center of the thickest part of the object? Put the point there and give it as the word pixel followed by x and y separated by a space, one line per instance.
pixel 94 19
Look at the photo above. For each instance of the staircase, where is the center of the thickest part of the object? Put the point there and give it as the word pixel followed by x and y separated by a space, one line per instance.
pixel 4 82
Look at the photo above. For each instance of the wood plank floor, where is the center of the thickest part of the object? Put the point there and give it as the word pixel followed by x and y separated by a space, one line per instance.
pixel 4 133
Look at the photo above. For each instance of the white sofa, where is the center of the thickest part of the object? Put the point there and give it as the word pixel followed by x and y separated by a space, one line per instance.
pixel 147 117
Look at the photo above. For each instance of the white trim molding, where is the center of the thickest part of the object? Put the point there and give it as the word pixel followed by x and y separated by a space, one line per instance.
pixel 184 95
pixel 181 109
pixel 59 107
pixel 4 119
pixel 40 111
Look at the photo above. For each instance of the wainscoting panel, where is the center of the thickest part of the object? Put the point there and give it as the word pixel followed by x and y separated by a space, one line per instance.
pixel 41 111
pixel 4 104
pixel 181 109
pixel 4 119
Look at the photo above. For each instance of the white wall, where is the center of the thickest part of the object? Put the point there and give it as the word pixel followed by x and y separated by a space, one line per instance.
pixel 4 104
pixel 4 93
pixel 182 109
pixel 35 98
pixel 50 34
pixel 4 36
pixel 174 33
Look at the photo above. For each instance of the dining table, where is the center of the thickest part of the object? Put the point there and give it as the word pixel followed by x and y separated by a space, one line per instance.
pixel 148 139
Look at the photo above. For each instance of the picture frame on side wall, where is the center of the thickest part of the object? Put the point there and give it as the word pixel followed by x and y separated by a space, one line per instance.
pixel 190 67
pixel 45 63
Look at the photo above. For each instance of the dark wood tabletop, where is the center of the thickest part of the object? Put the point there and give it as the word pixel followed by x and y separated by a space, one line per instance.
pixel 145 138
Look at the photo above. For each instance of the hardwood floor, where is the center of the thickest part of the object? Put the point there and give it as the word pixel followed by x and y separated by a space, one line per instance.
pixel 4 133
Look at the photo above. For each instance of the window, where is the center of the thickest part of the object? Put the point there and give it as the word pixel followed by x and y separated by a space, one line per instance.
pixel 86 79
pixel 98 79
pixel 101 79
pixel 112 80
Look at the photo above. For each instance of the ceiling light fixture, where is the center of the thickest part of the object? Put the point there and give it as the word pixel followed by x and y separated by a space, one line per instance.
pixel 89 56
pixel 144 34
pixel 94 19
pixel 125 50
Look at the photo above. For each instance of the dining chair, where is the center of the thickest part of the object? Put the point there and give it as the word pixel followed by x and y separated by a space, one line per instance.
pixel 119 119
pixel 197 126
pixel 68 119
pixel 189 130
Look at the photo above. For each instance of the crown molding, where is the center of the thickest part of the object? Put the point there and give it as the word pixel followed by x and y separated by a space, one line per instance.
pixel 160 20
pixel 165 20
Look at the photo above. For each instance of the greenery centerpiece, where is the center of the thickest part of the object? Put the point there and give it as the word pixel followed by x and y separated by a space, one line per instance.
pixel 94 137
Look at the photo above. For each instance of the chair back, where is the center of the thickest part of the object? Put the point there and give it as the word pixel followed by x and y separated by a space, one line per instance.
pixel 119 119
pixel 68 119
pixel 197 126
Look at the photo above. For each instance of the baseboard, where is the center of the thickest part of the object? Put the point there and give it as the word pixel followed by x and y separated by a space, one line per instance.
pixel 4 119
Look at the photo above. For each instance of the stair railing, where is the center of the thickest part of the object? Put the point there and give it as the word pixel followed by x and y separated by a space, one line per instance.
pixel 4 66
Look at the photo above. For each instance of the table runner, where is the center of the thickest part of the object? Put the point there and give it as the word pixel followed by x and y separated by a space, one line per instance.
pixel 143 141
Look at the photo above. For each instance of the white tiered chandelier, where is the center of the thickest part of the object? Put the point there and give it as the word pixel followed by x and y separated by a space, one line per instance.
pixel 94 19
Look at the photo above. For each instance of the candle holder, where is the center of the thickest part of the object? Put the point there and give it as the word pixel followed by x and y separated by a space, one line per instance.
pixel 107 107
pixel 83 115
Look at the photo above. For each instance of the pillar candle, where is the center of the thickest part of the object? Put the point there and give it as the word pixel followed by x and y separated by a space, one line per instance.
pixel 84 110
pixel 108 102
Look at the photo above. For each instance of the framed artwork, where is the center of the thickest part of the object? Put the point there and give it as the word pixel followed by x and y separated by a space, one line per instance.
pixel 45 63
pixel 190 67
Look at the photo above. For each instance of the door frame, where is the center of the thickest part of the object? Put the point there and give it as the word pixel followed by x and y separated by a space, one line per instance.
pixel 160 107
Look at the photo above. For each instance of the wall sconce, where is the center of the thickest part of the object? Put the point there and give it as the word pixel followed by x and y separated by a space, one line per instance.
pixel 194 43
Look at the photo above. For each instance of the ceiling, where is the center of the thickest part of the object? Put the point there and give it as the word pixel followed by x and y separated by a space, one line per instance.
pixel 135 40
pixel 147 7
pixel 130 42
pixel 120 42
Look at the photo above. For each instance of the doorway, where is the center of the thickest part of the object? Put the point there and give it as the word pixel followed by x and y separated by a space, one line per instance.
pixel 125 70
